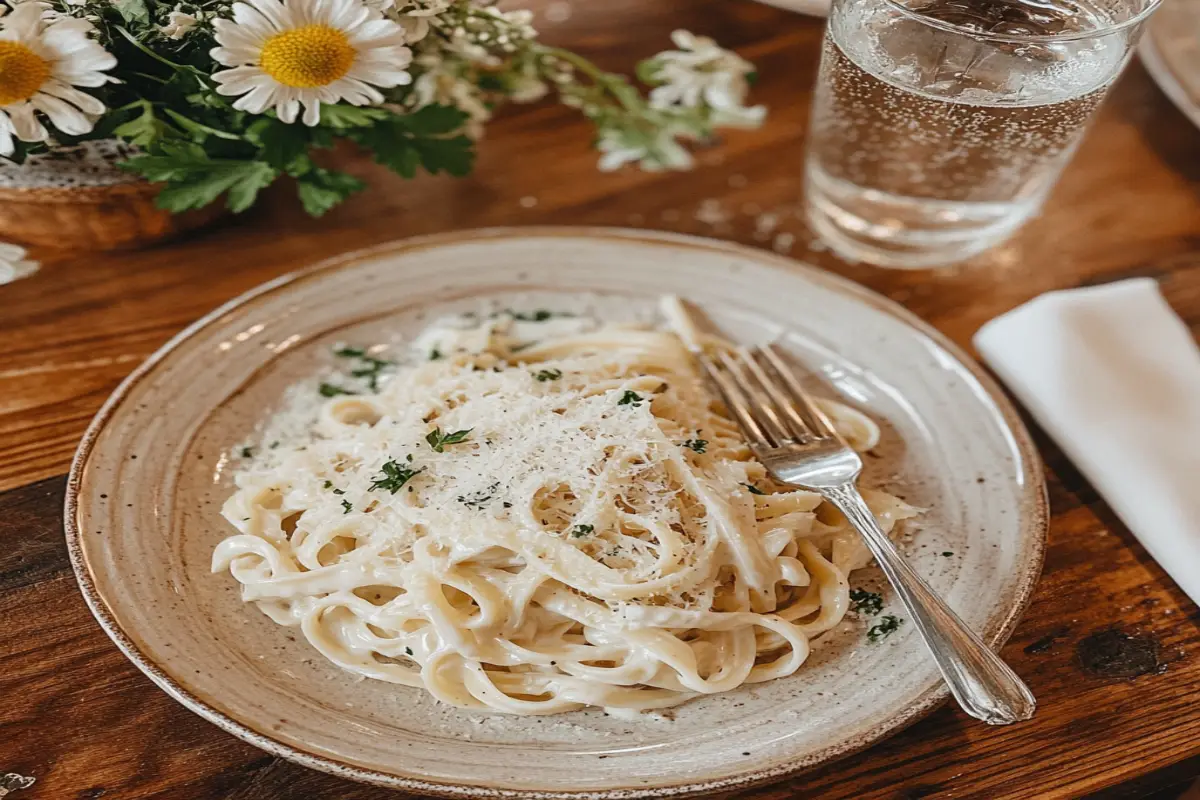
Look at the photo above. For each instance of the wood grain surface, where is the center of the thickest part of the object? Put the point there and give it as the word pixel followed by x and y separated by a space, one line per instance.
pixel 1109 645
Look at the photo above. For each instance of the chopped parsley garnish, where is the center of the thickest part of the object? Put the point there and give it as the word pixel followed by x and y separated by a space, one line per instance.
pixel 698 445
pixel 548 375
pixel 947 553
pixel 479 499
pixel 273 445
pixel 438 440
pixel 866 602
pixel 750 487
pixel 371 372
pixel 630 399
pixel 349 352
pixel 347 507
pixel 394 477
pixel 332 390
pixel 328 484
pixel 884 628
pixel 579 531
pixel 435 354
pixel 247 452
pixel 538 315
pixel 408 651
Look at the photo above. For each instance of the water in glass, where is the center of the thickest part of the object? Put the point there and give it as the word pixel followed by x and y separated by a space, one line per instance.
pixel 930 144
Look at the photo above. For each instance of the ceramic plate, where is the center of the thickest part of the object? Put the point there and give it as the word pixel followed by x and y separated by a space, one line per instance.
pixel 150 476
pixel 1170 50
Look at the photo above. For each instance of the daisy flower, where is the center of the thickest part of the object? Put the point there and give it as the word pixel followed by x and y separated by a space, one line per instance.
pixel 41 63
pixel 295 53
pixel 703 71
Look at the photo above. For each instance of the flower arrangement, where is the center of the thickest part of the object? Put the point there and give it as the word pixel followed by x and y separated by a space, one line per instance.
pixel 222 98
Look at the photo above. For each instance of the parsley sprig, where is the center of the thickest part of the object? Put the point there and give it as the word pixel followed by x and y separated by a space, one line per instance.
pixel 579 531
pixel 438 440
pixel 394 475
pixel 865 602
pixel 630 399
pixel 544 375
pixel 884 628
pixel 332 390
pixel 696 445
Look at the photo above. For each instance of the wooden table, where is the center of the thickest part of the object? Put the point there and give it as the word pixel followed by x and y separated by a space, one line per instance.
pixel 1109 645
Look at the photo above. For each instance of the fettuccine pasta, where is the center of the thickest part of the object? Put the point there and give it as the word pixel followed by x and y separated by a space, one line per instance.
pixel 536 514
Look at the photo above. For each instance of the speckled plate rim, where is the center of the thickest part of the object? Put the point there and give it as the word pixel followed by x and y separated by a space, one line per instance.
pixel 1035 518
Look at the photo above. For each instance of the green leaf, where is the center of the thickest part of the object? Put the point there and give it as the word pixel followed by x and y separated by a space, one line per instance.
pixel 438 440
pixel 343 116
pixel 455 156
pixel 322 189
pixel 332 390
pixel 144 130
pixel 433 120
pixel 193 180
pixel 281 145
pixel 132 11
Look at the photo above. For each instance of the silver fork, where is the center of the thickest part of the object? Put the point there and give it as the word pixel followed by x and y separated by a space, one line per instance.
pixel 795 441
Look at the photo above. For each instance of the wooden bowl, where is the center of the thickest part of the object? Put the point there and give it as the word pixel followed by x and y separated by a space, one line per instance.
pixel 79 197
pixel 93 217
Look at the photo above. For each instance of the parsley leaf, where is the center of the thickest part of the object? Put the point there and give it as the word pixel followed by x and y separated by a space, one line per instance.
pixel 886 626
pixel 579 531
pixel 331 390
pixel 193 180
pixel 346 116
pixel 548 375
pixel 698 445
pixel 132 11
pixel 438 440
pixel 143 130
pixel 347 506
pixel 372 371
pixel 247 452
pixel 403 142
pixel 538 315
pixel 322 189
pixel 866 602
pixel 630 399
pixel 435 354
pixel 394 477
pixel 753 489
pixel 349 352
pixel 282 146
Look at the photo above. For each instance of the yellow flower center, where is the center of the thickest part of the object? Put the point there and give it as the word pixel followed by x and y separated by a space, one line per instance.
pixel 22 72
pixel 308 56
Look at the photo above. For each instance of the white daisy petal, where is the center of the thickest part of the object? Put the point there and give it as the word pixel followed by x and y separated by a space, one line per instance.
pixel 312 113
pixel 81 100
pixel 7 144
pixel 258 100
pixel 288 110
pixel 63 116
pixel 25 124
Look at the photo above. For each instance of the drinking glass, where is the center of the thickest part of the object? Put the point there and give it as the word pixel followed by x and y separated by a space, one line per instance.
pixel 939 126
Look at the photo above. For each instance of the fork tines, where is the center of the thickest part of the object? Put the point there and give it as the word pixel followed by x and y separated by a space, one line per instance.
pixel 765 397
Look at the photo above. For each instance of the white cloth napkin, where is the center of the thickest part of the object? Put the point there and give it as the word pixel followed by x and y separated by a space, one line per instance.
pixel 1114 376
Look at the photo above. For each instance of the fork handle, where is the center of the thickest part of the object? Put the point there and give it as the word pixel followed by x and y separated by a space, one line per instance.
pixel 983 685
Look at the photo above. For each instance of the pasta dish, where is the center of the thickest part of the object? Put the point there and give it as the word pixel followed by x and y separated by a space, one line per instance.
pixel 533 513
